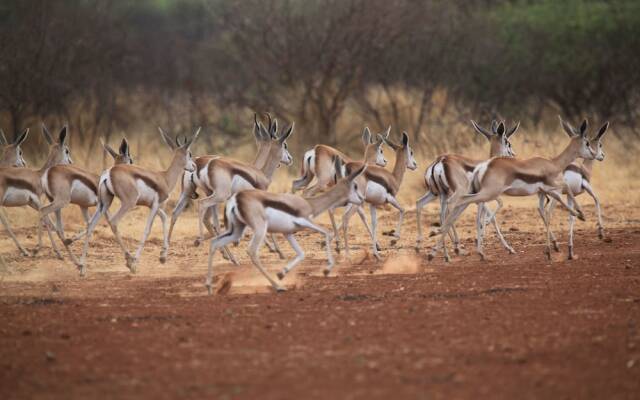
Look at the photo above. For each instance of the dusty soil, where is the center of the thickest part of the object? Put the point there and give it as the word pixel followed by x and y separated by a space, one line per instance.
pixel 513 327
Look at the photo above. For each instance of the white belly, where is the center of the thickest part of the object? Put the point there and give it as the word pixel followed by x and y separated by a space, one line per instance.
pixel 376 194
pixel 17 197
pixel 281 222
pixel 522 188
pixel 574 181
pixel 146 195
pixel 82 195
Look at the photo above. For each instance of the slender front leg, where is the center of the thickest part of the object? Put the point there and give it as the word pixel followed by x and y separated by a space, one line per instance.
pixel 572 219
pixel 299 256
pixel 541 210
pixel 335 228
pixel 363 218
pixel 345 229
pixel 394 202
pixel 480 230
pixel 374 229
pixel 145 235
pixel 420 204
pixel 587 187
pixel 327 236
pixel 254 247
pixel 165 236
pixel 496 226
pixel 7 227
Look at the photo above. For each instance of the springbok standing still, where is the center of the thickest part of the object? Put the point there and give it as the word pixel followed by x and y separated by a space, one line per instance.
pixel 11 153
pixel 577 177
pixel 448 177
pixel 534 176
pixel 281 213
pixel 24 186
pixel 381 187
pixel 135 185
pixel 68 184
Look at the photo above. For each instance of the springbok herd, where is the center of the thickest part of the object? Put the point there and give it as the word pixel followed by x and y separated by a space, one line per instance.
pixel 216 180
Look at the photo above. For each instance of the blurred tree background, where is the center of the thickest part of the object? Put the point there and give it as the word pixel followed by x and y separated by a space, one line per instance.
pixel 329 65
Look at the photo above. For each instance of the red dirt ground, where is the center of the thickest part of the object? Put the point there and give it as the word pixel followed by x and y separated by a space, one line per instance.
pixel 513 327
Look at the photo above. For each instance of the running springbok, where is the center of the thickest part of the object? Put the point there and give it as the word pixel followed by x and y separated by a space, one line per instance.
pixel 577 177
pixel 24 186
pixel 190 184
pixel 448 177
pixel 138 186
pixel 382 187
pixel 224 176
pixel 534 176
pixel 281 213
pixel 11 153
pixel 322 155
pixel 318 163
pixel 68 184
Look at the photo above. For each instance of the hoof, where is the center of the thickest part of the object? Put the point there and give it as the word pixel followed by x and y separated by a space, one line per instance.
pixel 447 258
pixel 326 271
pixel 378 248
pixel 460 252
pixel 417 249
pixel 511 250
pixel 393 242
pixel 67 242
pixel 581 216
pixel 547 253
pixel 482 257
pixel 607 239
pixel 281 256
pixel 433 233
pixel 556 247
pixel 280 275
pixel 163 259
pixel 209 288
pixel 429 257
pixel 35 252
pixel 197 242
pixel 279 289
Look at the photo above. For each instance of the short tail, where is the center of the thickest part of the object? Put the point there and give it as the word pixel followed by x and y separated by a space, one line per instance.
pixel 306 170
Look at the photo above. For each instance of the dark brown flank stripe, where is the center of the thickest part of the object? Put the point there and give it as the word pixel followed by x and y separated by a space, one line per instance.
pixel 201 163
pixel 246 176
pixel 86 181
pixel 282 207
pixel 149 182
pixel 528 178
pixel 21 184
pixel 579 170
pixel 447 173
pixel 468 167
pixel 379 180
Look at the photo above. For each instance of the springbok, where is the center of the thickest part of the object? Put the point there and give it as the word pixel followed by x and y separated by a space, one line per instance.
pixel 534 176
pixel 448 177
pixel 382 187
pixel 224 176
pixel 281 213
pixel 134 185
pixel 68 184
pixel 577 177
pixel 11 153
pixel 318 163
pixel 24 186
pixel 190 182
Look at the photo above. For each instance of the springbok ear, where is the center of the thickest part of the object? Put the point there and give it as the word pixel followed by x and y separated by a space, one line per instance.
pixel 46 134
pixel 124 147
pixel 21 138
pixel 257 132
pixel 494 127
pixel 283 138
pixel 3 139
pixel 602 131
pixel 513 130
pixel 366 136
pixel 193 138
pixel 387 132
pixel 167 139
pixel 109 150
pixel 481 130
pixel 62 136
pixel 405 139
pixel 500 130
pixel 337 165
pixel 583 127
pixel 356 173
pixel 570 130
pixel 274 129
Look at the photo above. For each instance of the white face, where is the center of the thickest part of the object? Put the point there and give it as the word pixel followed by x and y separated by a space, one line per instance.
pixel 586 151
pixel 598 149
pixel 191 165
pixel 505 147
pixel 66 155
pixel 411 161
pixel 380 160
pixel 286 158
pixel 19 160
